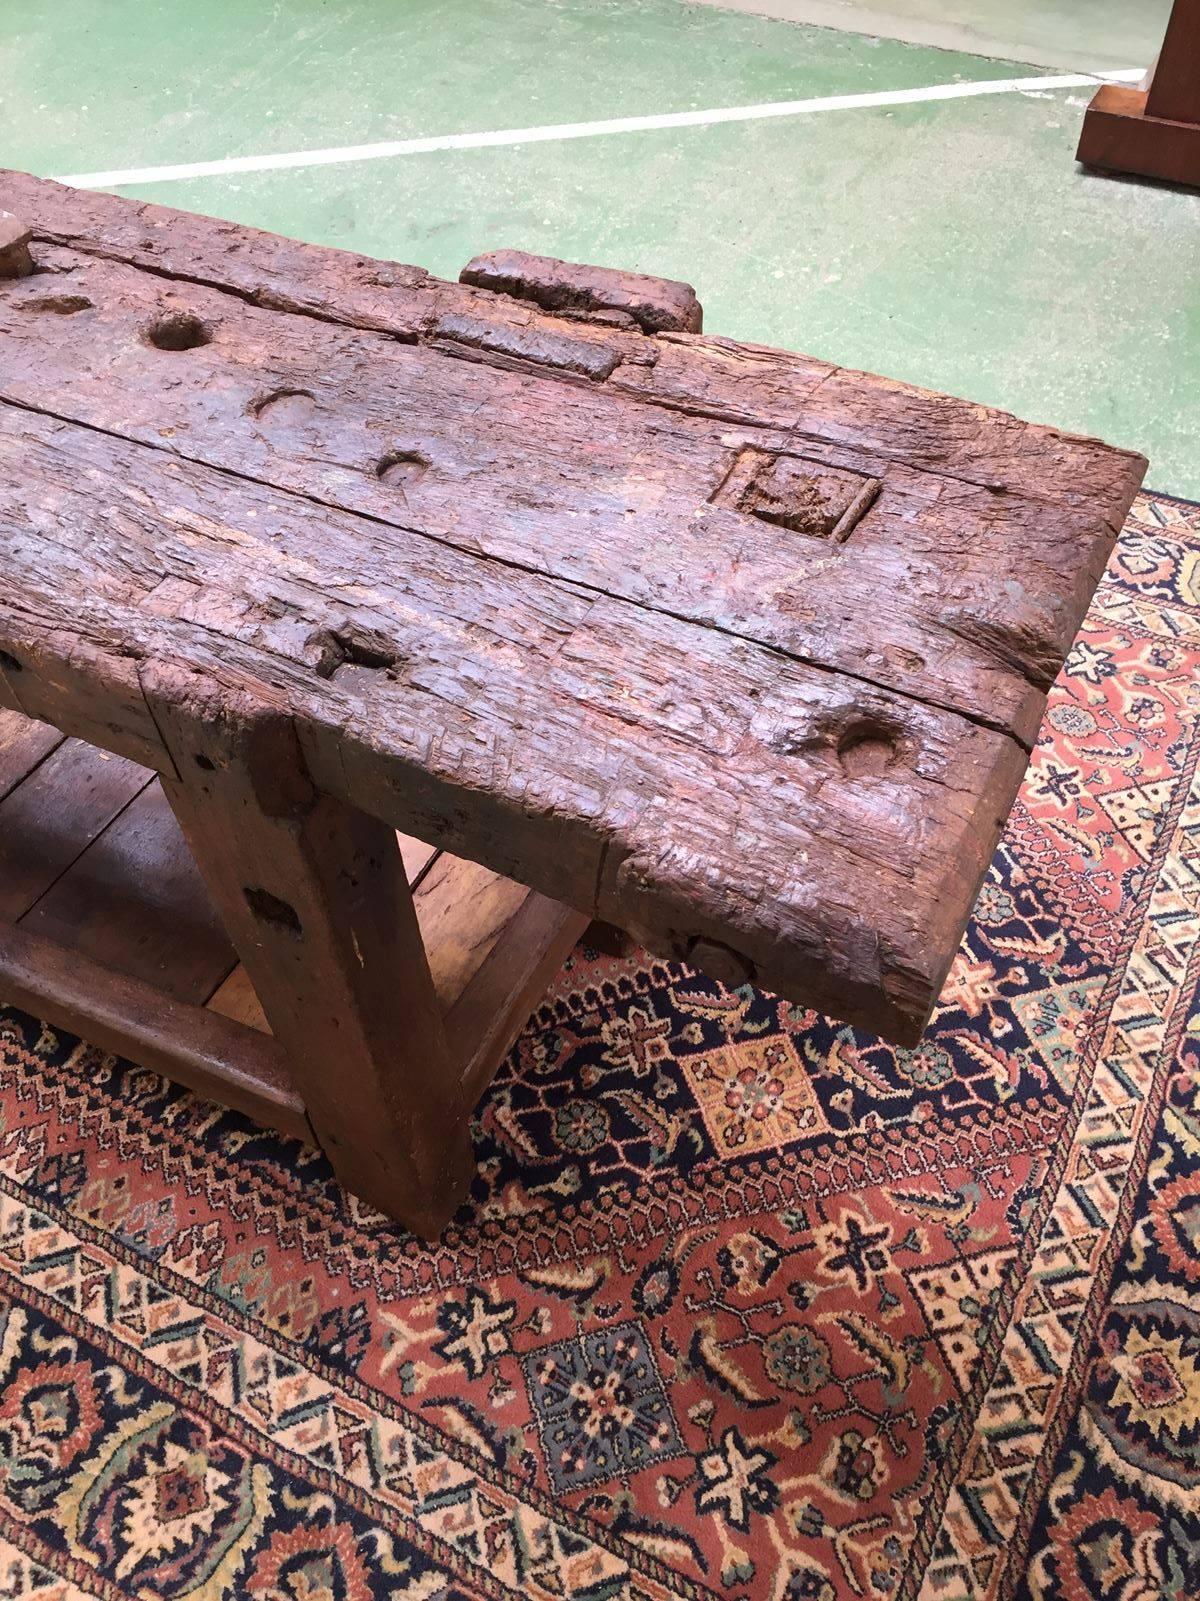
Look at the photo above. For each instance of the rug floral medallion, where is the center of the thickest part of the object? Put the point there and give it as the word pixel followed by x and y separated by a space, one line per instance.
pixel 745 1304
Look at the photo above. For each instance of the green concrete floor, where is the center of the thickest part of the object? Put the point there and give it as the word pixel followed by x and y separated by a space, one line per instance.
pixel 954 244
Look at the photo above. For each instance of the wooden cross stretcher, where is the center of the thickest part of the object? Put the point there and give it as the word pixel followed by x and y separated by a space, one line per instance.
pixel 734 649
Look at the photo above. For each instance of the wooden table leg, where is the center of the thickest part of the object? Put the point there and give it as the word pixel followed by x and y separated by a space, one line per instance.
pixel 314 896
pixel 1152 133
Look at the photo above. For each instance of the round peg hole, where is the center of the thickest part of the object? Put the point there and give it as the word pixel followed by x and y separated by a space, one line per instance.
pixel 284 408
pixel 179 330
pixel 866 748
pixel 401 467
pixel 720 961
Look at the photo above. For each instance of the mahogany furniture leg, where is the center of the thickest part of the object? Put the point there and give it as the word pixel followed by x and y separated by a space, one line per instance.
pixel 314 896
pixel 1153 133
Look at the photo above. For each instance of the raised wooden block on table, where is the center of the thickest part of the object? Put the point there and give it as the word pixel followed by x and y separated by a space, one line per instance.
pixel 737 650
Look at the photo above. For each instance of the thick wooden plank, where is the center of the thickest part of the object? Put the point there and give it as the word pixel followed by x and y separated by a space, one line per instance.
pixel 218 1059
pixel 314 895
pixel 699 790
pixel 575 600
pixel 959 593
pixel 711 376
pixel 51 818
pixel 135 902
pixel 23 745
pixel 63 680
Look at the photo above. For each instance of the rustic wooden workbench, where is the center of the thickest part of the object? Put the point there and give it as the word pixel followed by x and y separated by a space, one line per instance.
pixel 730 647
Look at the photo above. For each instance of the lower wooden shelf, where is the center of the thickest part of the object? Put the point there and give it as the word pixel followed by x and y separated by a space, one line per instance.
pixel 218 1058
pixel 107 930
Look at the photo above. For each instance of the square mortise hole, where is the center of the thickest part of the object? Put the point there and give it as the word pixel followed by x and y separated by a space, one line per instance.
pixel 806 496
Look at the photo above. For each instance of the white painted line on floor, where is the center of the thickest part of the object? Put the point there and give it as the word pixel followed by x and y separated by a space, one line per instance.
pixel 589 130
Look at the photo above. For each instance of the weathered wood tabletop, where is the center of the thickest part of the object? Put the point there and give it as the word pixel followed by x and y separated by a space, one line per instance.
pixel 734 648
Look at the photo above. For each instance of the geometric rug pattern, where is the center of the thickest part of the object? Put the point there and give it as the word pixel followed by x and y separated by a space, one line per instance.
pixel 745 1303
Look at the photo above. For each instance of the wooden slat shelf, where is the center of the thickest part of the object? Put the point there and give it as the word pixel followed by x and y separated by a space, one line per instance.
pixel 107 928
pixel 219 1059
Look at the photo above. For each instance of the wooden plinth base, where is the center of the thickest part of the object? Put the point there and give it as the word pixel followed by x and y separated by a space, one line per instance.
pixel 1118 136
pixel 106 929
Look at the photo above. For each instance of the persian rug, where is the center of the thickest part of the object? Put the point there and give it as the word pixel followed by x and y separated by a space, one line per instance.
pixel 745 1304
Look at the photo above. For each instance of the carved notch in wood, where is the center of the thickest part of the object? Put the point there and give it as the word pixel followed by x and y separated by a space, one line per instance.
pixel 793 492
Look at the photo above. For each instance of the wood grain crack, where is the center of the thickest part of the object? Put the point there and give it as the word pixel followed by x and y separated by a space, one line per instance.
pixel 579 586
